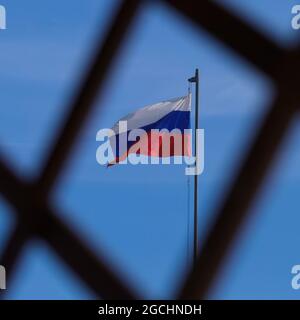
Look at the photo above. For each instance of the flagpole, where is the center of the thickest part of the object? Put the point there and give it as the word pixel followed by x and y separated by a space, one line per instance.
pixel 195 80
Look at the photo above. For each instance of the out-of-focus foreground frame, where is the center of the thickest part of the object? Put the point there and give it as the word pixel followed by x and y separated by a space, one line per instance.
pixel 36 217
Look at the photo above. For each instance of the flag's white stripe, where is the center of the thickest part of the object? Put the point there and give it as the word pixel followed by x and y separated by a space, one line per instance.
pixel 154 112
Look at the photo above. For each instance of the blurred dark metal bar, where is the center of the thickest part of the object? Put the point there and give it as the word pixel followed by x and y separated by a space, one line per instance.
pixel 90 89
pixel 36 218
pixel 14 247
pixel 268 57
pixel 11 187
pixel 15 191
pixel 103 281
pixel 95 272
pixel 235 210
pixel 257 49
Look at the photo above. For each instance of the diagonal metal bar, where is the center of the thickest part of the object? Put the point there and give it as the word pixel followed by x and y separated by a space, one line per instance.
pixel 16 191
pixel 12 188
pixel 83 103
pixel 100 278
pixel 11 254
pixel 267 56
pixel 235 209
pixel 79 112
pixel 29 204
pixel 257 49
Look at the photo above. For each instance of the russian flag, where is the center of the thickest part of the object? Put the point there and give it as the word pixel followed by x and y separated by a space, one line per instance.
pixel 165 132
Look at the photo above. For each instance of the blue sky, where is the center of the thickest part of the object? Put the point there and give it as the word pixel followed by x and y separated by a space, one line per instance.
pixel 137 215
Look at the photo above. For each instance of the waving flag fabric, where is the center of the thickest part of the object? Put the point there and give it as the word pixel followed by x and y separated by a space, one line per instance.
pixel 158 121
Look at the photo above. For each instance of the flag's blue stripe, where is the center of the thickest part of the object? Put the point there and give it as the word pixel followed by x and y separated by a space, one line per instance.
pixel 174 120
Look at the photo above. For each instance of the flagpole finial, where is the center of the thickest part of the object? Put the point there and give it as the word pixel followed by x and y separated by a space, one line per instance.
pixel 195 77
pixel 192 79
